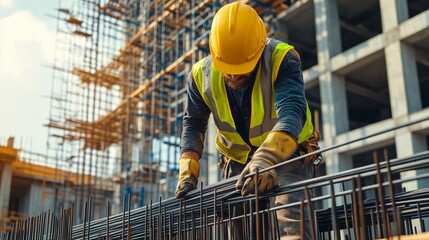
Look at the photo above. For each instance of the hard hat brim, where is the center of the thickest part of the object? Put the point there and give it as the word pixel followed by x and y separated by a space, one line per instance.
pixel 237 69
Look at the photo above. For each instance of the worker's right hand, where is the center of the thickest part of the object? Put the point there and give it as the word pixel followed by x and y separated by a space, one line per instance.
pixel 188 176
pixel 277 148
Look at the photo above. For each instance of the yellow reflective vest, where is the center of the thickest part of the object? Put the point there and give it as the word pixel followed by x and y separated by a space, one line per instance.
pixel 211 86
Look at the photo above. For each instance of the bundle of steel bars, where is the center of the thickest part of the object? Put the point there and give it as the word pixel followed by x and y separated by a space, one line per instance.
pixel 367 202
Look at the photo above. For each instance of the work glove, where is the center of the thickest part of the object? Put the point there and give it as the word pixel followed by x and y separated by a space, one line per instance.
pixel 277 147
pixel 188 176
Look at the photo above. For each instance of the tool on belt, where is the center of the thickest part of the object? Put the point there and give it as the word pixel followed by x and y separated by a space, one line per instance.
pixel 310 145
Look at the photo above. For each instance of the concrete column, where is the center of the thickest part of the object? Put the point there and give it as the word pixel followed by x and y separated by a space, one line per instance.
pixel 332 87
pixel 393 12
pixel 401 65
pixel 404 88
pixel 328 35
pixel 5 186
pixel 334 106
pixel 213 170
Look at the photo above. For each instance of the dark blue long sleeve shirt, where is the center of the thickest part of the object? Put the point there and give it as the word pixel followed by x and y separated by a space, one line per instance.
pixel 289 102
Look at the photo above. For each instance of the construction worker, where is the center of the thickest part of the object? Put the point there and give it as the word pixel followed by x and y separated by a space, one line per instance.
pixel 254 88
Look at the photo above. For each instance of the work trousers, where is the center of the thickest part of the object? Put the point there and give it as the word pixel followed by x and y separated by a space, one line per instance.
pixel 288 219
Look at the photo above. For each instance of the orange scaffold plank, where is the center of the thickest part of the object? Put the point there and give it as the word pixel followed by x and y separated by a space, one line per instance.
pixel 94 135
pixel 36 171
pixel 74 21
pixel 199 7
pixel 113 8
pixel 103 77
pixel 173 4
pixel 83 34
pixel 8 154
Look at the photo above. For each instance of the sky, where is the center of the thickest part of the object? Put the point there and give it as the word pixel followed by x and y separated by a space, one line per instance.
pixel 27 47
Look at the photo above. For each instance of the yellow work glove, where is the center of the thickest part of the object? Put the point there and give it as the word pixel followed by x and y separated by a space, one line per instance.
pixel 277 147
pixel 188 176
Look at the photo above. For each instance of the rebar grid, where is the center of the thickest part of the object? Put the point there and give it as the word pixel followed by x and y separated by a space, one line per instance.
pixel 360 203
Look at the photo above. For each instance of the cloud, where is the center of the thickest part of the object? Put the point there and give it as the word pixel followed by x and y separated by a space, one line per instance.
pixel 6 3
pixel 26 44
pixel 25 41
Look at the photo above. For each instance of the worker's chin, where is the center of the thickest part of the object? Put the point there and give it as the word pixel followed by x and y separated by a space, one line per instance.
pixel 237 84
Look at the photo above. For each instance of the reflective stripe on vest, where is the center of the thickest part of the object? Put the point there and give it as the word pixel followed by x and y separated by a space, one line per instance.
pixel 211 86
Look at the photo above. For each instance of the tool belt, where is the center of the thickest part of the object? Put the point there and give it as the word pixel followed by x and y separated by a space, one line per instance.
pixel 308 146
pixel 311 145
pixel 224 159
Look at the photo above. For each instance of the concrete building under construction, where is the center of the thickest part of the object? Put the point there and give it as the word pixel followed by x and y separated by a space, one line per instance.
pixel 119 87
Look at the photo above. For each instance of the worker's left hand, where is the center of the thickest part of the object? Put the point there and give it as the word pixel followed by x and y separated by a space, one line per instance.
pixel 278 147
pixel 267 180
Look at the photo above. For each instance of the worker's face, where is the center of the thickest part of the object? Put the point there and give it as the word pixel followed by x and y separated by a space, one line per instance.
pixel 238 81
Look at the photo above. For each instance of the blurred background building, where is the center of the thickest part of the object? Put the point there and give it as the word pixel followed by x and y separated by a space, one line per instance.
pixel 118 94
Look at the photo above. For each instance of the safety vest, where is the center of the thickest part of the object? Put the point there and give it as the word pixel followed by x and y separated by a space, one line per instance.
pixel 211 86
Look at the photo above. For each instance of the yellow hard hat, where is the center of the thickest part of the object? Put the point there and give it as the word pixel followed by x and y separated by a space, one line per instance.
pixel 237 38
